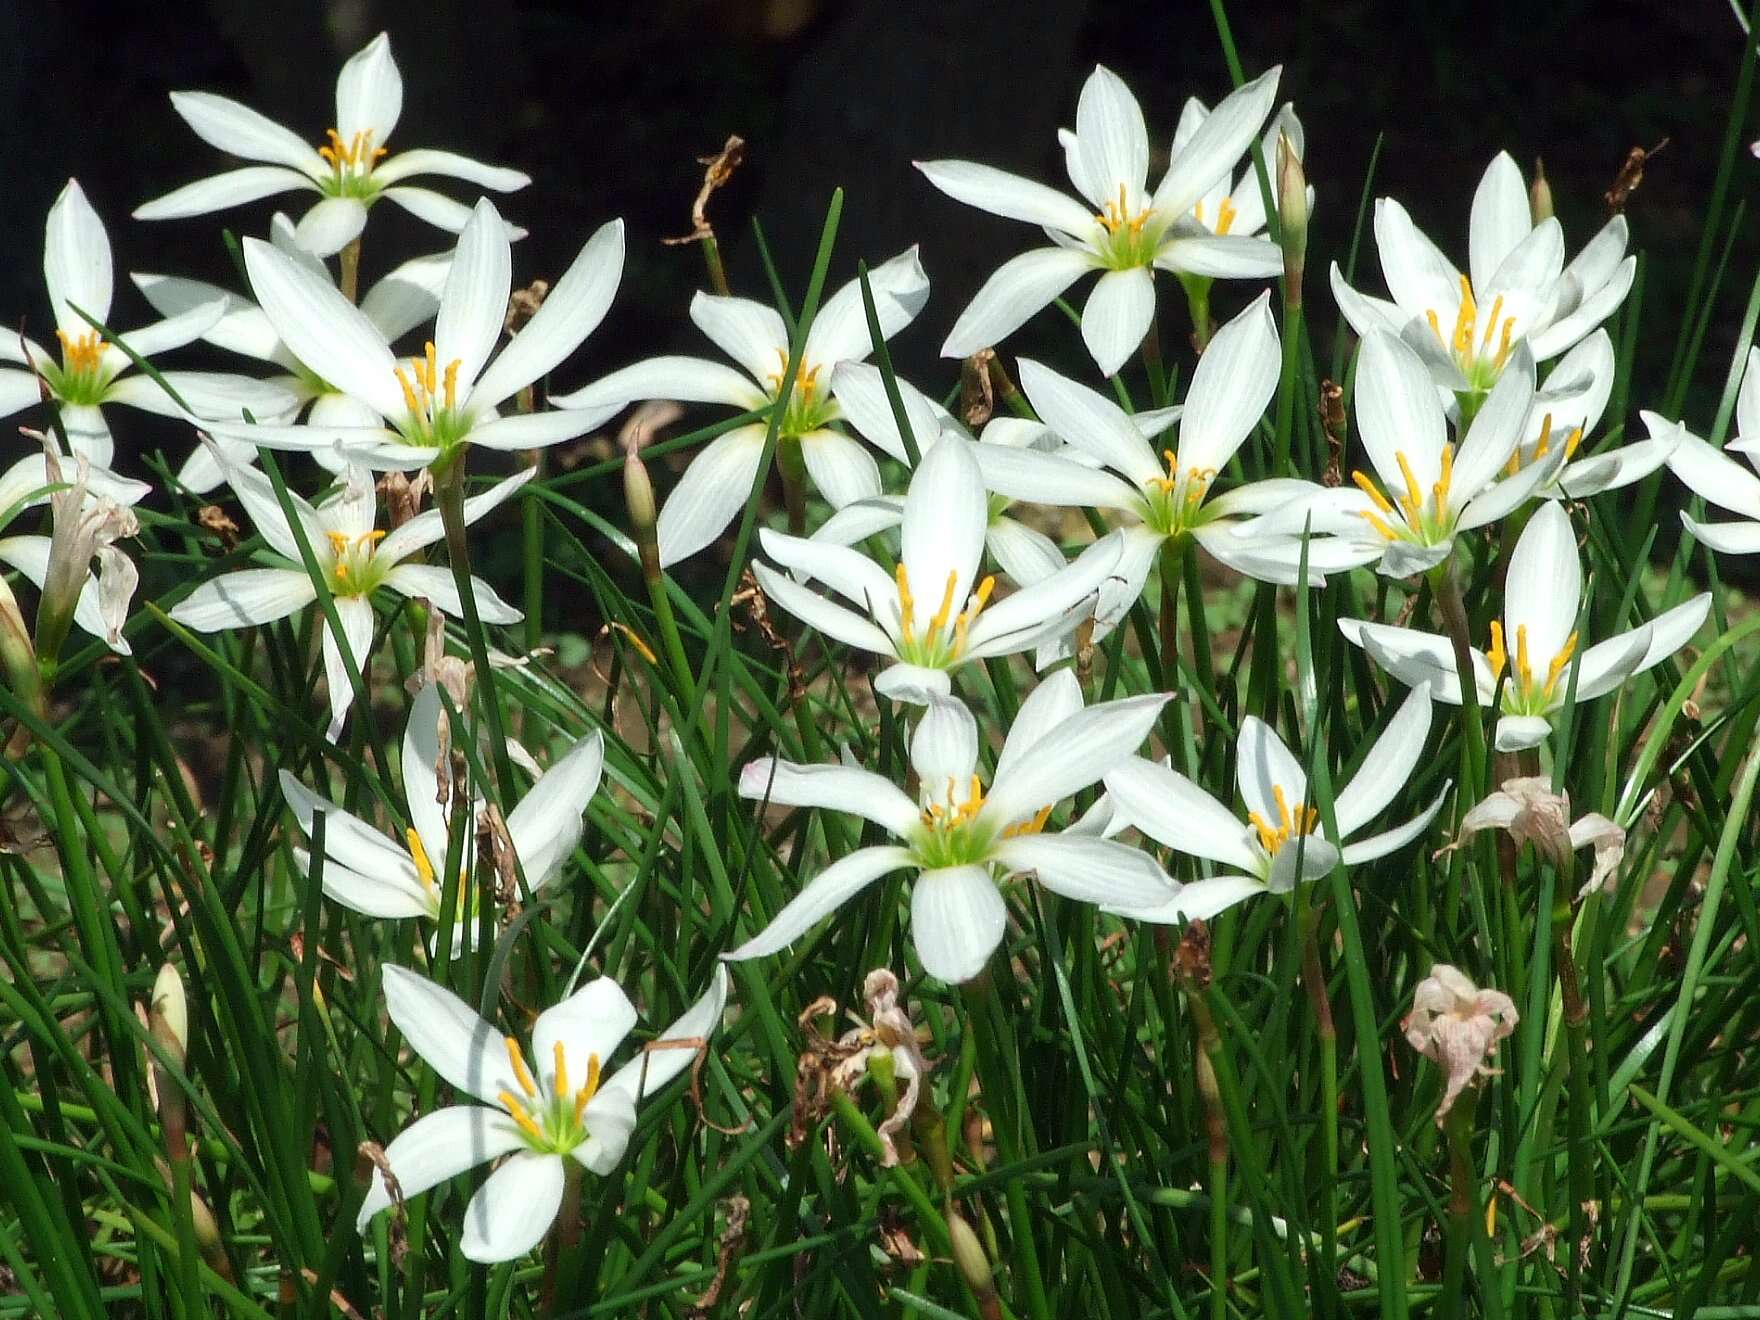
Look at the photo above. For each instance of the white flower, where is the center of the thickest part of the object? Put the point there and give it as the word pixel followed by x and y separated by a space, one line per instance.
pixel 558 1106
pixel 1532 813
pixel 1423 493
pixel 931 613
pixel 366 871
pixel 349 173
pixel 960 840
pixel 417 411
pixel 356 559
pixel 1712 475
pixel 90 512
pixel 1281 840
pixel 1535 642
pixel 1122 229
pixel 1467 328
pixel 1456 1025
pixel 399 302
pixel 89 373
pixel 718 482
pixel 1168 497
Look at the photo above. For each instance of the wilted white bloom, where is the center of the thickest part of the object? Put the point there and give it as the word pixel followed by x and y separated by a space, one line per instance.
pixel 1121 229
pixel 1456 1026
pixel 942 548
pixel 1534 646
pixel 559 1106
pixel 1467 328
pixel 718 482
pixel 1532 813
pixel 88 373
pixel 397 304
pixel 414 412
pixel 1712 475
pixel 349 172
pixel 890 1032
pixel 960 840
pixel 356 558
pixel 366 871
pixel 1281 841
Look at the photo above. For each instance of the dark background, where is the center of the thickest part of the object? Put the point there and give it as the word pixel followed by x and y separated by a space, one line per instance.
pixel 607 105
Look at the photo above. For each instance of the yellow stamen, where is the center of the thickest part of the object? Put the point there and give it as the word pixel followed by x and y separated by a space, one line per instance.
pixel 419 855
pixel 1491 321
pixel 1379 524
pixel 1524 673
pixel 409 395
pixel 1509 325
pixel 980 598
pixel 452 382
pixel 1441 488
pixel 1555 670
pixel 1571 442
pixel 517 1112
pixel 429 381
pixel 1370 489
pixel 907 605
pixel 521 1073
pixel 1034 824
pixel 560 1086
pixel 938 623
pixel 1224 216
pixel 1497 655
pixel 1435 325
pixel 338 543
pixel 1545 441
pixel 589 1088
pixel 80 353
pixel 1411 501
pixel 1466 320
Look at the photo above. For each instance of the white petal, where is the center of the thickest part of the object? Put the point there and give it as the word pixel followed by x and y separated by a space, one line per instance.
pixel 1364 312
pixel 88 433
pixel 912 685
pixel 591 1022
pixel 18 390
pixel 457 1044
pixel 420 764
pixel 347 838
pixel 240 131
pixel 1057 697
pixel 512 1211
pixel 832 787
pixel 76 262
pixel 242 327
pixel 1117 316
pixel 1497 429
pixel 840 330
pixel 437 209
pixel 945 512
pixel 570 312
pixel 1303 859
pixel 1110 135
pixel 323 329
pixel 1748 399
pixel 710 494
pixel 1078 752
pixel 842 469
pixel 1398 412
pixel 684 379
pixel 369 93
pixel 1202 899
pixel 1727 538
pixel 534 430
pixel 436 1147
pixel 1544 586
pixel 408 296
pixel 1226 256
pixel 257 494
pixel 1088 870
pixel 750 333
pixel 356 616
pixel 1386 767
pixel 473 306
pixel 1420 278
pixel 1027 555
pixel 957 921
pixel 1011 296
pixel 386 894
pixel 817 612
pixel 331 225
pixel 433 583
pixel 426 528
pixel 1089 421
pixel 1217 144
pixel 547 824
pixel 221 192
pixel 658 1066
pixel 1712 475
pixel 824 894
pixel 1266 766
pixel 1058 602
pixel 944 747
pixel 861 394
pixel 1500 220
pixel 1416 657
pixel 1007 195
pixel 1380 845
pixel 241 599
pixel 848 572
pixel 1517 733
pixel 451 165
pixel 1233 382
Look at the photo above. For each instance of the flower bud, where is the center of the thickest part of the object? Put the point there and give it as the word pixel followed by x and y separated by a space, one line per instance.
pixel 638 495
pixel 1540 193
pixel 969 1256
pixel 1292 214
pixel 168 1015
pixel 18 658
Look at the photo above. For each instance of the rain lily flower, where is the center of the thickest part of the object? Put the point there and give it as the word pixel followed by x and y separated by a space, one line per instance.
pixel 558 1106
pixel 941 548
pixel 88 373
pixel 90 512
pixel 1712 475
pixel 1423 492
pixel 1456 1025
pixel 1532 813
pixel 718 482
pixel 1534 648
pixel 1121 228
pixel 349 172
pixel 1281 841
pixel 397 304
pixel 1168 496
pixel 376 876
pixel 1467 327
pixel 356 558
pixel 429 408
pixel 960 839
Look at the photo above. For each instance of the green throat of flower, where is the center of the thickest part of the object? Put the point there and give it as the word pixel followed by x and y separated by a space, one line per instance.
pixel 1174 505
pixel 808 408
pixel 355 570
pixel 1289 824
pixel 351 165
pixel 1526 692
pixel 950 831
pixel 1419 516
pixel 553 1120
pixel 81 378
pixel 430 396
pixel 1128 239
pixel 1479 354
pixel 941 643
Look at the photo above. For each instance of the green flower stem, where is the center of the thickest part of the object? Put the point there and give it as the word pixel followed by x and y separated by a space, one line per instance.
pixel 1209 1055
pixel 1454 621
pixel 794 482
pixel 1462 1201
pixel 561 1257
pixel 1579 1150
pixel 1314 982
pixel 449 483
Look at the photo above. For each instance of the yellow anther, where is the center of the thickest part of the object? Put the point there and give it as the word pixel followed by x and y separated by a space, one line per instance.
pixel 907 605
pixel 1376 521
pixel 980 598
pixel 1413 500
pixel 589 1088
pixel 517 1112
pixel 338 543
pixel 806 378
pixel 409 395
pixel 521 1073
pixel 1571 442
pixel 358 150
pixel 1370 489
pixel 429 381
pixel 1466 321
pixel 80 353
pixel 1509 325
pixel 419 855
pixel 1497 655
pixel 1491 321
pixel 1435 325
pixel 1556 669
pixel 1524 673
pixel 452 382
pixel 1441 487
pixel 1545 441
pixel 1034 824
pixel 560 1085
pixel 938 623
pixel 1224 216
pixel 370 538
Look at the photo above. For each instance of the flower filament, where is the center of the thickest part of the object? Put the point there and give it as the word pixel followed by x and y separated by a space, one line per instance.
pixel 431 397
pixel 933 647
pixel 551 1121
pixel 352 571
pixel 351 163
pixel 426 873
pixel 1526 695
pixel 1174 500
pixel 1543 446
pixel 1418 516
pixel 82 359
pixel 1473 352
pixel 1273 836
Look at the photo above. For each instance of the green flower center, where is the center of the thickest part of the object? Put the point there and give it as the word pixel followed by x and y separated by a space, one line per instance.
pixel 552 1120
pixel 1174 504
pixel 1128 238
pixel 430 396
pixel 351 165
pixel 81 378
pixel 1480 354
pixel 355 572
pixel 1527 693
pixel 942 641
pixel 1418 516
pixel 808 409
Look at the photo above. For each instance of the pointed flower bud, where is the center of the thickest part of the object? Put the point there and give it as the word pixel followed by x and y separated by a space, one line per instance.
pixel 969 1256
pixel 18 658
pixel 168 1015
pixel 1456 1025
pixel 1292 214
pixel 638 495
pixel 1540 193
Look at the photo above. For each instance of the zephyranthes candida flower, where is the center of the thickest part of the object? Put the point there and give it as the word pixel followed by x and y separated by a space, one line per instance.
pixel 1712 475
pixel 1456 1025
pixel 1533 812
